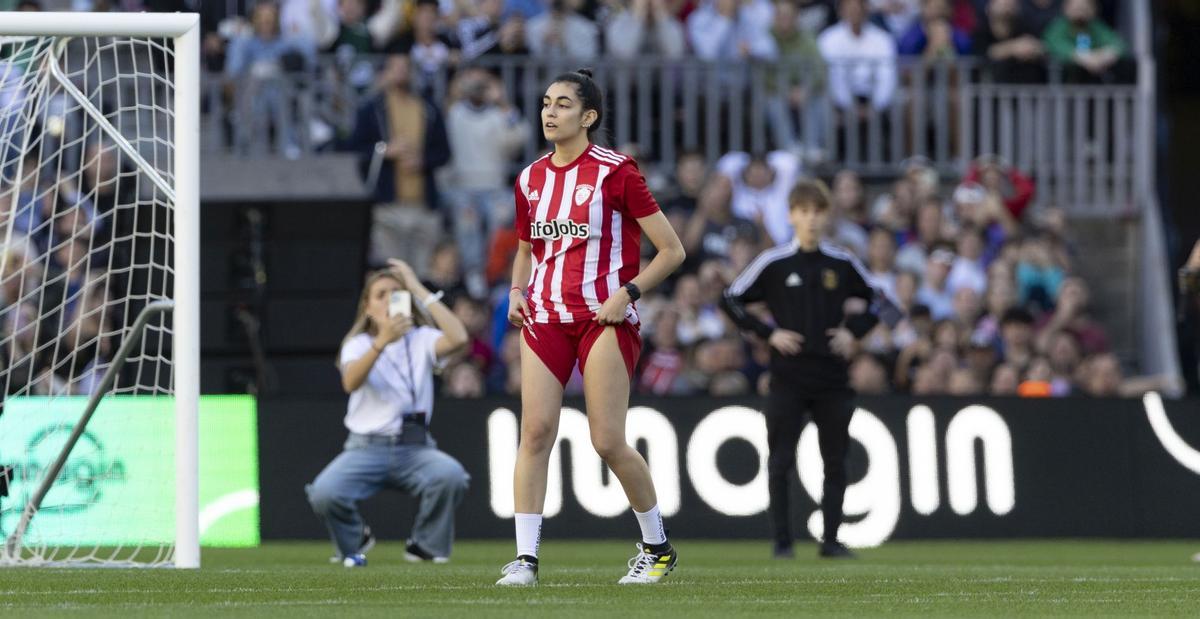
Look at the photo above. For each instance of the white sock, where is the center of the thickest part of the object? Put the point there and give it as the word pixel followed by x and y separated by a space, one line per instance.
pixel 529 533
pixel 652 526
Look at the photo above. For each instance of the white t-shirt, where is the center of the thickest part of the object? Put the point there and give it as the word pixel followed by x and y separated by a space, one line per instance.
pixel 378 405
pixel 771 201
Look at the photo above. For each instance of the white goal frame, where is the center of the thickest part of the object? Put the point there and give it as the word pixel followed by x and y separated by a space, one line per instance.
pixel 184 28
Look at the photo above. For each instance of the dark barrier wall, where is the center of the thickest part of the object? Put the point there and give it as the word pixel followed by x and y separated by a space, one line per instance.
pixel 936 468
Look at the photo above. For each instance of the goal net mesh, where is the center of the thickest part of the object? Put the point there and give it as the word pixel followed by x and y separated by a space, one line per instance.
pixel 86 203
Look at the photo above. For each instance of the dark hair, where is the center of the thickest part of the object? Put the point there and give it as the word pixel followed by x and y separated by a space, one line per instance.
pixel 812 192
pixel 590 95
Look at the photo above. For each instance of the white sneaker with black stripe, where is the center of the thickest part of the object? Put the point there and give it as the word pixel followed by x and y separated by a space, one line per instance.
pixel 519 573
pixel 648 567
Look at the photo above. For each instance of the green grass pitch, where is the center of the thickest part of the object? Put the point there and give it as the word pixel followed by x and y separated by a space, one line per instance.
pixel 714 579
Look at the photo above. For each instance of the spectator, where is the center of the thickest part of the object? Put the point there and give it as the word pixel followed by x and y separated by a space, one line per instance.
pixel 1013 50
pixel 963 382
pixel 562 33
pixel 429 50
pixel 663 365
pixel 868 376
pixel 975 207
pixel 256 61
pixel 644 28
pixel 1004 181
pixel 967 308
pixel 690 172
pixel 485 134
pixel 480 34
pixel 307 19
pixel 413 136
pixel 699 319
pixel 731 30
pixel 474 317
pixel 1001 296
pixel 881 260
pixel 1005 380
pixel 1091 51
pixel 1039 13
pixel 815 15
pixel 934 292
pixel 757 189
pixel 862 61
pixel 445 272
pixel 713 229
pixel 265 51
pixel 1100 376
pixel 896 16
pixel 933 36
pixel 797 86
pixel 980 357
pixel 1016 337
pixel 351 31
pixel 464 380
pixel 850 218
pixel 968 270
pixel 1071 316
pixel 927 234
pixel 1038 274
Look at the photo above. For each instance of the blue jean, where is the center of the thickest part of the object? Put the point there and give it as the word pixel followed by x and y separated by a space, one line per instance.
pixel 364 468
pixel 477 213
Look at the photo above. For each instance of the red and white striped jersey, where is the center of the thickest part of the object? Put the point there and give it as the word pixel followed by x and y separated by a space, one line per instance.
pixel 581 220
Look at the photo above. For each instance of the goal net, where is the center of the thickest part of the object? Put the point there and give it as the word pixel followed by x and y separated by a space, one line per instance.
pixel 97 200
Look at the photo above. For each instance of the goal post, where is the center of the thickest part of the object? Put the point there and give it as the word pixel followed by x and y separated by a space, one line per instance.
pixel 174 99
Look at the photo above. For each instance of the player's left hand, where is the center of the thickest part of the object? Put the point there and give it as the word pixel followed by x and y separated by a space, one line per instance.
pixel 613 310
pixel 842 342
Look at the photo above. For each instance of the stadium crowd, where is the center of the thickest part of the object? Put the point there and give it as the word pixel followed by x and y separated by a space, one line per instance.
pixel 987 284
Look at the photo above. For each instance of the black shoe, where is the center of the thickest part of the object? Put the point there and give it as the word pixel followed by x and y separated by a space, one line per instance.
pixel 783 551
pixel 836 550
pixel 368 541
pixel 415 554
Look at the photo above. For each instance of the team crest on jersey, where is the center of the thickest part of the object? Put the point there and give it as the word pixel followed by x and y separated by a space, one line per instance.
pixel 582 193
pixel 555 229
pixel 829 279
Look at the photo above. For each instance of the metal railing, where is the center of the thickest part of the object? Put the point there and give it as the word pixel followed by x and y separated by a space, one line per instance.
pixel 1080 141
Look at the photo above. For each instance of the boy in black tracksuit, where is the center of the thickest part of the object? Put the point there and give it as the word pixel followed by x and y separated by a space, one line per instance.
pixel 806 285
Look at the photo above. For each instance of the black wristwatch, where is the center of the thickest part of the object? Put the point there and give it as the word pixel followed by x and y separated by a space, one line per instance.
pixel 635 293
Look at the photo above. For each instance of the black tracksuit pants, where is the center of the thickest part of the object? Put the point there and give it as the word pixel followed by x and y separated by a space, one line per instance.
pixel 787 412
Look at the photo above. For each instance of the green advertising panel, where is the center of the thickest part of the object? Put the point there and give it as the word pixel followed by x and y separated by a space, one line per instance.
pixel 118 485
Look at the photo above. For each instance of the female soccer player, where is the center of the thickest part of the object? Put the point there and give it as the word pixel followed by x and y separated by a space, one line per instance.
pixel 581 210
pixel 387 368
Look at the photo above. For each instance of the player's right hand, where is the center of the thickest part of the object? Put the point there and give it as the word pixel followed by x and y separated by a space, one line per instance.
pixel 518 309
pixel 393 329
pixel 786 342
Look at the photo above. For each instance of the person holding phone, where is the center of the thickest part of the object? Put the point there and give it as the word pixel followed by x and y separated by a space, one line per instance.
pixel 387 362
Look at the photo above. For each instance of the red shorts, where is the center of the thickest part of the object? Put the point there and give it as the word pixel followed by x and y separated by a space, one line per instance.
pixel 559 345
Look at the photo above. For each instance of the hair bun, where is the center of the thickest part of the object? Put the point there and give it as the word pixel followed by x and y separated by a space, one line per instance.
pixel 586 72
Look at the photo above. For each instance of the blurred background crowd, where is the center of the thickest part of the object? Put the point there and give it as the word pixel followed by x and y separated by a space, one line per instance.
pixel 989 285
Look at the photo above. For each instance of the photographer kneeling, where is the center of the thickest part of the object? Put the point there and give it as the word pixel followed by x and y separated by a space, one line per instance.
pixel 387 362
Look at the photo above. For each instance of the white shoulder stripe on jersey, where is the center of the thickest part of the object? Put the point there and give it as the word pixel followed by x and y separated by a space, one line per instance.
pixel 756 267
pixel 602 157
pixel 611 153
pixel 833 251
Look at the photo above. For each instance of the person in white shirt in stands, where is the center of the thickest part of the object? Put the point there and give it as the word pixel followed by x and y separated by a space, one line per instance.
pixel 862 61
pixel 387 365
pixel 757 189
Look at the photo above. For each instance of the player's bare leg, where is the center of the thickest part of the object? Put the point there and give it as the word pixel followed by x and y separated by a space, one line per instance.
pixel 606 391
pixel 539 429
